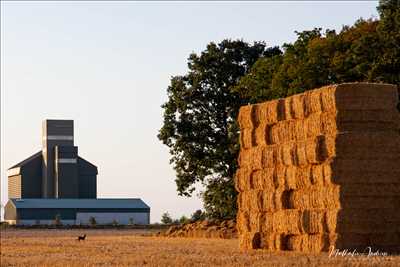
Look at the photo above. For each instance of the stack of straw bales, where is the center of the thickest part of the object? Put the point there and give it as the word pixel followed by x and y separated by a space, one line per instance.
pixel 320 170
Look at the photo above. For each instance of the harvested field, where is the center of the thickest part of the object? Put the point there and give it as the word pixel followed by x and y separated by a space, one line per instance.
pixel 138 248
pixel 315 167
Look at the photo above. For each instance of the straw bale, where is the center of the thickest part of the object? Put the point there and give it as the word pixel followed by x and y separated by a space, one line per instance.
pixel 320 170
pixel 290 178
pixel 312 221
pixel 330 220
pixel 279 176
pixel 261 134
pixel 315 198
pixel 310 243
pixel 369 202
pixel 245 117
pixel 263 179
pixel 368 227
pixel 270 241
pixel 256 221
pixel 303 176
pixel 245 157
pixel 268 159
pixel 243 179
pixel 317 176
pixel 385 239
pixel 371 190
pixel 266 112
pixel 246 138
pixel 300 155
pixel 328 102
pixel 297 106
pixel 256 200
pixel 268 201
pixel 257 158
pixel 312 102
pixel 373 90
pixel 286 221
pixel 243 222
pixel 382 215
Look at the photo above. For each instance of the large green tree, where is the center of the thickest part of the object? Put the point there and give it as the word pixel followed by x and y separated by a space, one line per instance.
pixel 200 121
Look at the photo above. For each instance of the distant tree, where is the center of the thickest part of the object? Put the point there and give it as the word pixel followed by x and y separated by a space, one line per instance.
pixel 114 222
pixel 131 221
pixel 184 219
pixel 92 221
pixel 166 218
pixel 200 120
pixel 198 215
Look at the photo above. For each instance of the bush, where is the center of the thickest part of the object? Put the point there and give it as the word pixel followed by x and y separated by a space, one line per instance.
pixel 198 215
pixel 166 218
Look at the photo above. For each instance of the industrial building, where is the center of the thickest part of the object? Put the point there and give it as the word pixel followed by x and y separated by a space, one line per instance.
pixel 57 182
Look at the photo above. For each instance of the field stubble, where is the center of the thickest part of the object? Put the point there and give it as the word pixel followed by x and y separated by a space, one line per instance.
pixel 139 248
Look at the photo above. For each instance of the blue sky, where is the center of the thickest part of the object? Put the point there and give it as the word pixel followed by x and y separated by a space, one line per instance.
pixel 107 65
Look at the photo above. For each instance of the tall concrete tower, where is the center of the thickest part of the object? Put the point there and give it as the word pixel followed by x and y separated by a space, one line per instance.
pixel 60 158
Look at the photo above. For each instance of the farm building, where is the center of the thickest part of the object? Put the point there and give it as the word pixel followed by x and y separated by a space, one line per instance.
pixel 76 211
pixel 57 182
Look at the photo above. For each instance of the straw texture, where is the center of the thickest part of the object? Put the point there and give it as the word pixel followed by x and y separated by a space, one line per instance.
pixel 321 169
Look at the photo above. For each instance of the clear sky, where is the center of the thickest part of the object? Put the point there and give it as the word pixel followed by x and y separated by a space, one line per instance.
pixel 107 65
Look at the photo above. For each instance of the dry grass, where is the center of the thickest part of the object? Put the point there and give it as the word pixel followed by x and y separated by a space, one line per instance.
pixel 134 248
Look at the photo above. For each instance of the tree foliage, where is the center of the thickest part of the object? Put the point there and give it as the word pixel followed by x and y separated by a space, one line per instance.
pixel 199 119
pixel 367 51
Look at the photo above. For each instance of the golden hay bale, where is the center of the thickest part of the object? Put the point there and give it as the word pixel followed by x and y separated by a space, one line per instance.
pixel 286 221
pixel 242 222
pixel 279 176
pixel 268 201
pixel 261 134
pixel 317 176
pixel 315 198
pixel 290 177
pixel 268 159
pixel 245 117
pixel 256 221
pixel 297 106
pixel 300 155
pixel 312 102
pixel 246 138
pixel 263 179
pixel 243 179
pixel 266 112
pixel 244 158
pixel 311 243
pixel 312 221
pixel 256 200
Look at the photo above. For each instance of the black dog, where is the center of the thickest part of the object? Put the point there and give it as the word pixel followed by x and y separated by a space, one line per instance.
pixel 81 237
